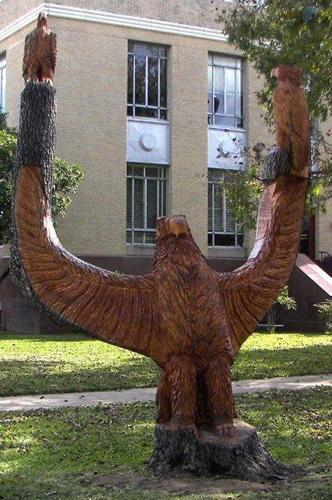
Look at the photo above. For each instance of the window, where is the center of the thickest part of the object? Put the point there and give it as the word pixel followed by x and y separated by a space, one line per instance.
pixel 222 230
pixel 225 92
pixel 146 200
pixel 2 83
pixel 147 81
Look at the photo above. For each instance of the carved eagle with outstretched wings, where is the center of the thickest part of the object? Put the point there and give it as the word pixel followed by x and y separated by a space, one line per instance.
pixel 40 52
pixel 190 319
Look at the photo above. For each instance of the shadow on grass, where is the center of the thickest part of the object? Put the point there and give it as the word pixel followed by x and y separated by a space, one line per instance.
pixel 47 376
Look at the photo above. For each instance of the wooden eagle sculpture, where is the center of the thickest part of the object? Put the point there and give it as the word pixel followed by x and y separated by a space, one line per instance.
pixel 40 52
pixel 190 319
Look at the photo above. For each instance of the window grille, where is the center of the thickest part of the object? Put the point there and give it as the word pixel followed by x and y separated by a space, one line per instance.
pixel 147 81
pixel 222 230
pixel 2 84
pixel 146 200
pixel 225 91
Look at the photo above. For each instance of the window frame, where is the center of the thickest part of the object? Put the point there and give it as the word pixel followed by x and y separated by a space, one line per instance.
pixel 238 233
pixel 161 180
pixel 133 105
pixel 3 75
pixel 238 67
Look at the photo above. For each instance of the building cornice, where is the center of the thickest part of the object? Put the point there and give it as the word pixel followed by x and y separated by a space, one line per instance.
pixel 97 16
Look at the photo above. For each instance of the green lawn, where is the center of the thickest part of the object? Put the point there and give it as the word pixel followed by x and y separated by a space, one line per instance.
pixel 36 364
pixel 65 453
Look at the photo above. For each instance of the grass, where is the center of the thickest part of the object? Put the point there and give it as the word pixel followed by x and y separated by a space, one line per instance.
pixel 61 454
pixel 37 364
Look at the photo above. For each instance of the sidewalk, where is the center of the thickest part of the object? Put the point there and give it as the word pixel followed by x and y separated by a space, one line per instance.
pixel 53 401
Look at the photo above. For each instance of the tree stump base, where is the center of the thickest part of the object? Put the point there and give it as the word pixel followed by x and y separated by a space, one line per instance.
pixel 241 455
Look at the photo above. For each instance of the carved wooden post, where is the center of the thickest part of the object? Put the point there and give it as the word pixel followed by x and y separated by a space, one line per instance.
pixel 188 318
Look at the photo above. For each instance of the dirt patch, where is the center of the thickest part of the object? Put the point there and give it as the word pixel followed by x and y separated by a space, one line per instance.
pixel 182 484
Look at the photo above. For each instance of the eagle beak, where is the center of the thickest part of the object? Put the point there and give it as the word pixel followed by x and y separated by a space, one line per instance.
pixel 274 73
pixel 42 15
pixel 177 225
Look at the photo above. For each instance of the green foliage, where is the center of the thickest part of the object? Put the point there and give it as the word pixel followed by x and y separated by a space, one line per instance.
pixel 273 32
pixel 325 310
pixel 67 178
pixel 243 192
pixel 285 301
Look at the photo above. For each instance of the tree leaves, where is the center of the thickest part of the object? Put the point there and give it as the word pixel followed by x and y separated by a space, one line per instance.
pixel 66 180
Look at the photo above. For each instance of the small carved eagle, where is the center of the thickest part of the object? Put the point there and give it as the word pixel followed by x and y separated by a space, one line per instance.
pixel 40 52
pixel 291 117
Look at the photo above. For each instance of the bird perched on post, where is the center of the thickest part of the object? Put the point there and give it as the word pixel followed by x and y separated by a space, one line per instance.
pixel 40 52
pixel 291 117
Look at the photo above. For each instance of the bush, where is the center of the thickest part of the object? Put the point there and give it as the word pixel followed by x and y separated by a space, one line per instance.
pixel 325 311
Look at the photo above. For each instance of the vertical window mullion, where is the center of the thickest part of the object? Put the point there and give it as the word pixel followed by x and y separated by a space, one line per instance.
pixel 134 85
pixel 146 81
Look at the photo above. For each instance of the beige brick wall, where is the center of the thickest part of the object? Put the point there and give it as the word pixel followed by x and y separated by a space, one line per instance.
pixel 10 10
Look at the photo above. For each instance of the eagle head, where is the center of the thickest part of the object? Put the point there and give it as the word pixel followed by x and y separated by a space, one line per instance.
pixel 288 72
pixel 174 241
pixel 42 20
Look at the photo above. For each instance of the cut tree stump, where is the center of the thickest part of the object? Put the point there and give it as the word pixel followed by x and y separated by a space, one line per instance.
pixel 241 455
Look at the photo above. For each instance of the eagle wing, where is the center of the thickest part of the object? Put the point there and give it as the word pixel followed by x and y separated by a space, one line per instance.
pixel 120 309
pixel 249 292
pixel 29 54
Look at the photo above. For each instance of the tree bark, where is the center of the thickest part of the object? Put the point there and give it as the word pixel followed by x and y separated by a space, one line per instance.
pixel 241 455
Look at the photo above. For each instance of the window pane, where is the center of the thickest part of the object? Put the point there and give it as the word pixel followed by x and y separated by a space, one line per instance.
pixel 140 79
pixel 210 207
pixel 210 78
pixel 229 80
pixel 224 240
pixel 151 203
pixel 224 60
pixel 151 172
pixel 230 104
pixel 230 226
pixel 139 203
pixel 130 111
pixel 218 207
pixel 130 78
pixel 129 236
pixel 146 112
pixel 129 203
pixel 163 83
pixel 153 82
pixel 218 80
pixel 139 237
